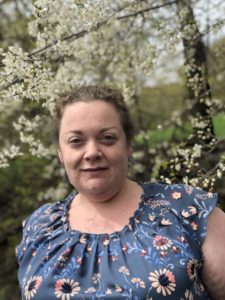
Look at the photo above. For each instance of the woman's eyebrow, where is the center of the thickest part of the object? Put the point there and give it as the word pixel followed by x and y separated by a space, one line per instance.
pixel 74 131
pixel 107 129
pixel 102 130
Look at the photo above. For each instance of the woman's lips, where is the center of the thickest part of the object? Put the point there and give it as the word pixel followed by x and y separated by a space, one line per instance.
pixel 94 169
pixel 94 172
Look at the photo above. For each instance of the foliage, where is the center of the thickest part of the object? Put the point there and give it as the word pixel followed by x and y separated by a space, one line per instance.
pixel 21 193
pixel 99 42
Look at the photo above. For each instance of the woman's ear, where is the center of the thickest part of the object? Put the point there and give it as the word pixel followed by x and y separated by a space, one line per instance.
pixel 60 156
pixel 129 150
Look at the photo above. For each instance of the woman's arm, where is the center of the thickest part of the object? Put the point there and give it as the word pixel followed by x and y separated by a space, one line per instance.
pixel 213 248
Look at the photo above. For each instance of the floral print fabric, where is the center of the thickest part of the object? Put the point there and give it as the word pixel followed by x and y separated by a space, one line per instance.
pixel 156 256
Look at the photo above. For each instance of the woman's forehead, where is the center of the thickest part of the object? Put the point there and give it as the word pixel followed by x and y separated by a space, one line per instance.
pixel 86 114
pixel 91 109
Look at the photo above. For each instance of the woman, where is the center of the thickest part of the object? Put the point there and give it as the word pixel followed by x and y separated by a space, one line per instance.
pixel 115 238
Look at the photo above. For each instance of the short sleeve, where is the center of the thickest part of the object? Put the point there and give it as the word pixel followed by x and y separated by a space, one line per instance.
pixel 193 206
pixel 32 226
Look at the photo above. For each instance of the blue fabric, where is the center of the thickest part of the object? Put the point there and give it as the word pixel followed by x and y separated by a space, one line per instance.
pixel 156 256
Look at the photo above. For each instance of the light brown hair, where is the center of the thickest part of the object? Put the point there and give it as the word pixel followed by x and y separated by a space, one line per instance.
pixel 93 93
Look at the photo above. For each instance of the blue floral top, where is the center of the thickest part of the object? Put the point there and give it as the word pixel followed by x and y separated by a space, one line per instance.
pixel 156 256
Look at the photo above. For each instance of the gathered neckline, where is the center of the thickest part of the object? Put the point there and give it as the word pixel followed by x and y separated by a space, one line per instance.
pixel 128 226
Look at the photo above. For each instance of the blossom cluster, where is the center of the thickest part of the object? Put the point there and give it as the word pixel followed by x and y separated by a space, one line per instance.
pixel 7 154
pixel 119 43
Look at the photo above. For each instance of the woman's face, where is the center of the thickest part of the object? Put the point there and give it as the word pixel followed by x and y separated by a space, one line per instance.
pixel 93 148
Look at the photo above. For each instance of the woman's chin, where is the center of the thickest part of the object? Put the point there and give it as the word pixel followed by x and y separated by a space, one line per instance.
pixel 95 186
pixel 101 189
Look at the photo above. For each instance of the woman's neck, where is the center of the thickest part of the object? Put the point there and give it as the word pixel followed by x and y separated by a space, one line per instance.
pixel 110 215
pixel 126 197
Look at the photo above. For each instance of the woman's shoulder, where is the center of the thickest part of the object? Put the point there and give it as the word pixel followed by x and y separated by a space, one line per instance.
pixel 44 221
pixel 180 195
pixel 191 206
pixel 47 213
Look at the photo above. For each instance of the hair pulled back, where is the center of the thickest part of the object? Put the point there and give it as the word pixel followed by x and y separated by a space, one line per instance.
pixel 92 93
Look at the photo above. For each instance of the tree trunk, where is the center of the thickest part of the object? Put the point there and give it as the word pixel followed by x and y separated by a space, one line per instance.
pixel 195 56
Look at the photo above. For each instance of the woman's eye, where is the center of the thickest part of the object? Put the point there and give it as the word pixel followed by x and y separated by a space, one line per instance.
pixel 109 138
pixel 75 141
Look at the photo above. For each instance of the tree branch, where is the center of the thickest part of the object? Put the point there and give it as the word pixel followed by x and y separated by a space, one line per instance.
pixel 80 34
pixel 146 9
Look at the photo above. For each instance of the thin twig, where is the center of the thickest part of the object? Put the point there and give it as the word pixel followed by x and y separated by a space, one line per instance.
pixel 80 34
pixel 141 11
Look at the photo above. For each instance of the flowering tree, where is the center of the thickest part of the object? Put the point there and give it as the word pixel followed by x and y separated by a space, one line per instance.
pixel 119 43
pixel 188 164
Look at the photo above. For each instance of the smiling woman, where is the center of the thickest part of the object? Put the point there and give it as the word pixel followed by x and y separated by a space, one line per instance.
pixel 93 149
pixel 115 238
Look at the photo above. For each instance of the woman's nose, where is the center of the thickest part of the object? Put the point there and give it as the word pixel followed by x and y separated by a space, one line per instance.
pixel 92 151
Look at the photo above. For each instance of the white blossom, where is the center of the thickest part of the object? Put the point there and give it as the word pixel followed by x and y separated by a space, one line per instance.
pixel 7 154
pixel 197 151
pixel 53 193
pixel 82 42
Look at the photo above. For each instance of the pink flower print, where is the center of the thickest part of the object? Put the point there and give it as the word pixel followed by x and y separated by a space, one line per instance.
pixel 176 195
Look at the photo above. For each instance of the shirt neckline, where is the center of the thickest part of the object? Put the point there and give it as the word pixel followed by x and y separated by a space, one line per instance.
pixel 127 226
